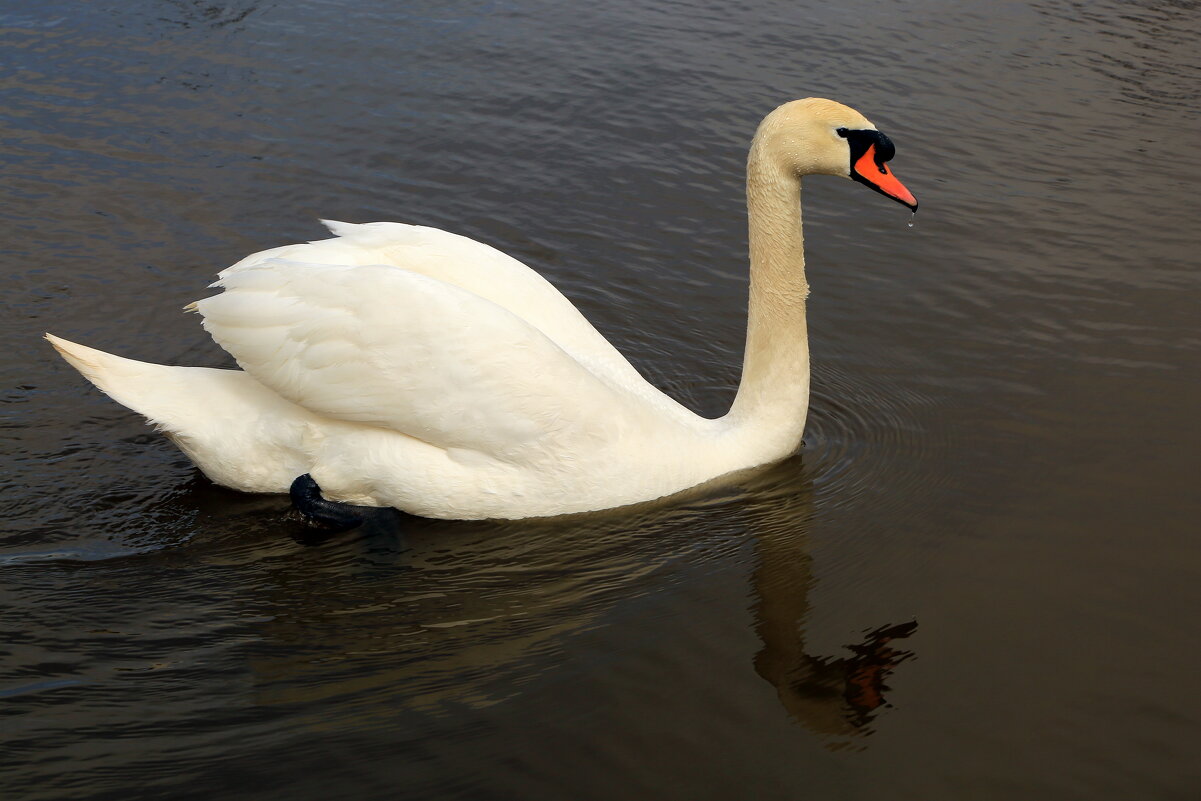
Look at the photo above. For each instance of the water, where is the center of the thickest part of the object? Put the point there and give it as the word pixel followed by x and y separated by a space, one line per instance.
pixel 998 471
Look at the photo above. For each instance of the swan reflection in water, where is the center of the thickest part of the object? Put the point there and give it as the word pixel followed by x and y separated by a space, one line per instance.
pixel 835 696
pixel 422 614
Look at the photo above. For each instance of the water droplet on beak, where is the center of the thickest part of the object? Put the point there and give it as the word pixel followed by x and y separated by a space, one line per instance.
pixel 912 218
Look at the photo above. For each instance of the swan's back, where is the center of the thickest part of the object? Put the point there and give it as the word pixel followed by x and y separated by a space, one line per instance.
pixel 484 271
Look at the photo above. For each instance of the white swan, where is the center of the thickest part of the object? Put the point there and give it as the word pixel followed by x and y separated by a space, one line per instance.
pixel 409 367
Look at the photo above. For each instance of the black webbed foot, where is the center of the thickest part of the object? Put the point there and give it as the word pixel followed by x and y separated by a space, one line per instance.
pixel 332 516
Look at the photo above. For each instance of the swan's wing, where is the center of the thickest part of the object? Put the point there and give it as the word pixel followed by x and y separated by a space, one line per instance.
pixel 386 347
pixel 480 269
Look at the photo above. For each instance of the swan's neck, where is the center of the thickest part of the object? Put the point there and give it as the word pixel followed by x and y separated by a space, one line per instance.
pixel 773 397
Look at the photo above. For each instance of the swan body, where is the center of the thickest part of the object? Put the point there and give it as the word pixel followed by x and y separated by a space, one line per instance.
pixel 410 367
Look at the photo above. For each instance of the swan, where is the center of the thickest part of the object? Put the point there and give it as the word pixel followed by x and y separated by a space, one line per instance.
pixel 408 367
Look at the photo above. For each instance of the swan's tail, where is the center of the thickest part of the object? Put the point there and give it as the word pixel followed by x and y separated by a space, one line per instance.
pixel 233 428
pixel 152 390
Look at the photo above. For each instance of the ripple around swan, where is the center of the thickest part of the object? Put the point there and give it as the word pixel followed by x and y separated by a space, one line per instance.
pixel 868 440
pixel 431 618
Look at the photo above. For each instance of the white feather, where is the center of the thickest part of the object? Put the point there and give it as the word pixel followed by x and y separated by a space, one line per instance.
pixel 410 367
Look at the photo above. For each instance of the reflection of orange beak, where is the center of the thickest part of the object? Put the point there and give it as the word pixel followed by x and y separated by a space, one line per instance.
pixel 882 179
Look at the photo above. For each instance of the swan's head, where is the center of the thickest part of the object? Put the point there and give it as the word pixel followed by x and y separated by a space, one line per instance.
pixel 818 136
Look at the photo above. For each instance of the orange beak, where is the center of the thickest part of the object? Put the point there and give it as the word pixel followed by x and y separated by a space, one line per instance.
pixel 877 175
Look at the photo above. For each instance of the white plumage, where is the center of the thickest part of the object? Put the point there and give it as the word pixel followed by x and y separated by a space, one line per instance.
pixel 410 367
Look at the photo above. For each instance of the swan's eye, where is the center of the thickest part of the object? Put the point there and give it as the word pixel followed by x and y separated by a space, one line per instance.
pixel 842 132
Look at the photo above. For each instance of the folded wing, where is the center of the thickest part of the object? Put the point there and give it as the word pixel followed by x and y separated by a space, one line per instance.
pixel 480 269
pixel 387 347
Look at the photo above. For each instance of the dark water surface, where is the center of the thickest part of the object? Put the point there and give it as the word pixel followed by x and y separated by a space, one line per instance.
pixel 1001 461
